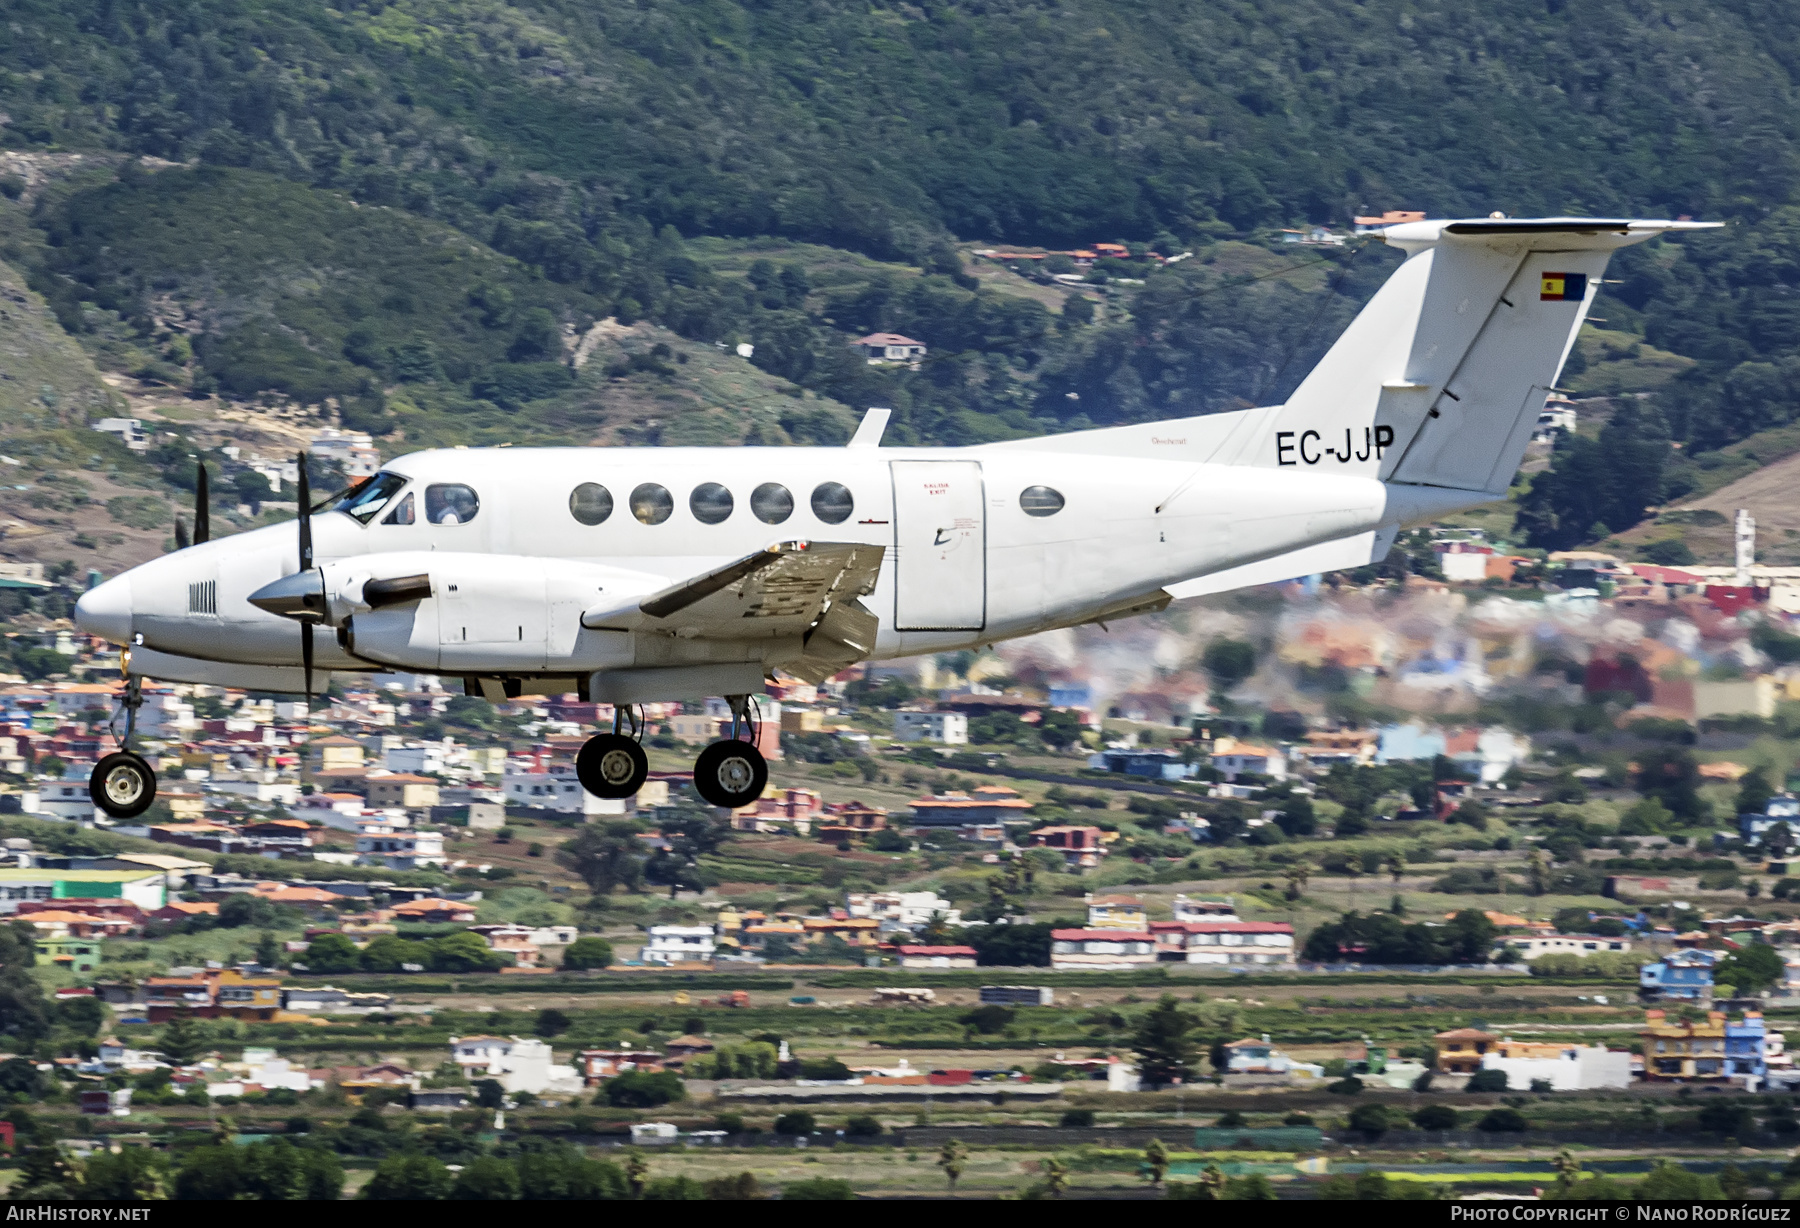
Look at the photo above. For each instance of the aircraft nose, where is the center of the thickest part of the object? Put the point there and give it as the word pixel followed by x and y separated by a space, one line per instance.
pixel 105 610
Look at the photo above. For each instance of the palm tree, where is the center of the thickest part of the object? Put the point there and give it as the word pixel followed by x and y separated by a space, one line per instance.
pixel 1156 1161
pixel 953 1157
pixel 1056 1176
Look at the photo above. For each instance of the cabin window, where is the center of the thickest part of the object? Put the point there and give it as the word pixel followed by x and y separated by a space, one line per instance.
pixel 832 502
pixel 652 504
pixel 403 513
pixel 590 503
pixel 711 503
pixel 451 503
pixel 1040 501
pixel 772 502
pixel 366 498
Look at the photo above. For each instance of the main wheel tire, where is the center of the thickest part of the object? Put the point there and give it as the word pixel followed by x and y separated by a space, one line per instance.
pixel 123 785
pixel 730 774
pixel 611 765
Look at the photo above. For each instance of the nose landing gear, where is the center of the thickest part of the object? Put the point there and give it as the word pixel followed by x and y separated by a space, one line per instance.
pixel 732 773
pixel 122 783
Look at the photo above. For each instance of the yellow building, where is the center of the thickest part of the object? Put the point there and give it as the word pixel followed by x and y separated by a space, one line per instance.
pixel 1676 1050
pixel 1460 1051
pixel 334 754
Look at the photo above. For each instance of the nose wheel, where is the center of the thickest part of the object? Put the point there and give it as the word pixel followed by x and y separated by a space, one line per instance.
pixel 123 784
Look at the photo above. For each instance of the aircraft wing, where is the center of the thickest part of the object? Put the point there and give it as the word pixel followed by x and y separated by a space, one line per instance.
pixel 792 589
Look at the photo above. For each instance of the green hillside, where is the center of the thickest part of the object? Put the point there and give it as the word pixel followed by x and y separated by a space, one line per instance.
pixel 414 209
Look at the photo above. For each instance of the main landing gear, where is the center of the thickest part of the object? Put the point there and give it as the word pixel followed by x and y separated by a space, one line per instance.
pixel 122 783
pixel 729 773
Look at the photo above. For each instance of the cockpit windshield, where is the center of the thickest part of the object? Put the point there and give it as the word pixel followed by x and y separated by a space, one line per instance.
pixel 364 500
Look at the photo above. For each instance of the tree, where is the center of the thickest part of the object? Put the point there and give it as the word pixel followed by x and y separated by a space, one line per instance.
pixel 246 909
pixel 1435 1117
pixel 490 1094
pixel 486 1179
pixel 637 1173
pixel 1503 1121
pixel 1754 792
pixel 605 857
pixel 409 1178
pixel 129 1175
pixel 332 953
pixel 1297 876
pixel 391 953
pixel 1056 1176
pixel 953 1158
pixel 1648 817
pixel 1166 1053
pixel 181 1041
pixel 589 951
pixel 742 1188
pixel 1486 1081
pixel 638 1089
pixel 818 1189
pixel 1156 1161
pixel 1060 728
pixel 1371 1119
pixel 1668 1182
pixel 551 1022
pixel 24 1014
pixel 1671 775
pixel 796 1124
pixel 1751 969
pixel 463 952
pixel 268 950
pixel 1229 662
pixel 86 1014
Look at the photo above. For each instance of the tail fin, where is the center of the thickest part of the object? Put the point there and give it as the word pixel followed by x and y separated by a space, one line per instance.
pixel 1439 379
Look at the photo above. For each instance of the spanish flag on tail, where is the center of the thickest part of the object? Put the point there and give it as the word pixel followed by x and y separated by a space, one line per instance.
pixel 1563 287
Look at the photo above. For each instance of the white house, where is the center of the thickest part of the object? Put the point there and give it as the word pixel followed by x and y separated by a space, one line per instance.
pixel 1578 1068
pixel 1224 942
pixel 889 347
pixel 678 944
pixel 907 908
pixel 521 1065
pixel 425 757
pixel 560 793
pixel 950 728
pixel 66 801
pixel 1244 757
pixel 478 1053
pixel 1531 946
pixel 381 845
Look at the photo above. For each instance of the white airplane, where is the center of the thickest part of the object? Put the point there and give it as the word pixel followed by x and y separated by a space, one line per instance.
pixel 632 575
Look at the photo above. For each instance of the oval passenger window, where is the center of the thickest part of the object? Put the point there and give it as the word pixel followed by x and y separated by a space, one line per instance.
pixel 590 503
pixel 832 503
pixel 772 503
pixel 451 503
pixel 652 504
pixel 711 503
pixel 1040 501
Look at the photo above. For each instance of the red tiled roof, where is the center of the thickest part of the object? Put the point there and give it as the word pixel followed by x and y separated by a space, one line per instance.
pixel 970 951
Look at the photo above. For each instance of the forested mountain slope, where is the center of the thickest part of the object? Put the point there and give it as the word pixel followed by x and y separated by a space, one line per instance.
pixel 334 159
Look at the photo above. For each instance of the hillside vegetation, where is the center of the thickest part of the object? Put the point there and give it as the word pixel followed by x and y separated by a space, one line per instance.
pixel 418 208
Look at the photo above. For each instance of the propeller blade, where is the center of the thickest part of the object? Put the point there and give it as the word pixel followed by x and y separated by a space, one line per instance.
pixel 306 661
pixel 181 535
pixel 202 508
pixel 306 547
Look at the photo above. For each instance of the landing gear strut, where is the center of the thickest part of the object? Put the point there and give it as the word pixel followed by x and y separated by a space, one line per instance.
pixel 613 765
pixel 122 783
pixel 731 774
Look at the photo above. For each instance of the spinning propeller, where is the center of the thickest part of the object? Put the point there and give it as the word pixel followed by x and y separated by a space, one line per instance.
pixel 202 515
pixel 306 566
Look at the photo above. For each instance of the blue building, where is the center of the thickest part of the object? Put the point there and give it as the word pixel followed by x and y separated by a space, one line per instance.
pixel 1782 809
pixel 1746 1046
pixel 1681 975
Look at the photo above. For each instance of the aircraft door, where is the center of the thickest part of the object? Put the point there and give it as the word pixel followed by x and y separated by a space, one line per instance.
pixel 940 546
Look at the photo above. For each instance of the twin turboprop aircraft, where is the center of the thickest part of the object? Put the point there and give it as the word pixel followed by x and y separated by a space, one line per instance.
pixel 634 575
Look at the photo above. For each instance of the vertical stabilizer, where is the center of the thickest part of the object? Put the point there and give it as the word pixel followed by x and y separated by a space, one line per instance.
pixel 1439 380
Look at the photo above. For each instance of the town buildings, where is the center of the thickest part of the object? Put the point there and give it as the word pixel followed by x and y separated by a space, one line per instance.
pixel 1073 949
